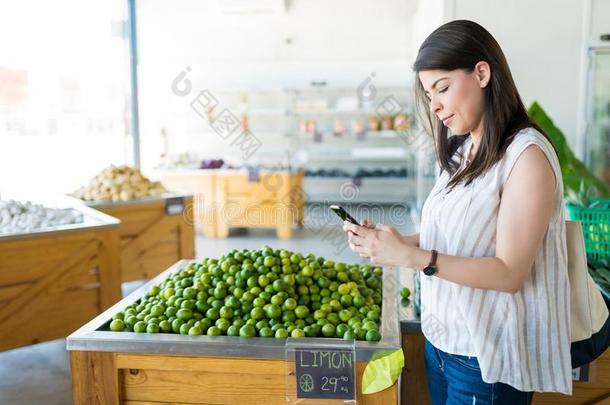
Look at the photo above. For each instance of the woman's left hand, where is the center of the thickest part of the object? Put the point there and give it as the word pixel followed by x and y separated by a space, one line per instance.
pixel 382 245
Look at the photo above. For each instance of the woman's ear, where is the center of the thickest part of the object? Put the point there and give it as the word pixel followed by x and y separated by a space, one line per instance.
pixel 482 73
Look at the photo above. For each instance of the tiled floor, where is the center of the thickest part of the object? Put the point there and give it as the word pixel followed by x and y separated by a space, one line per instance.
pixel 40 374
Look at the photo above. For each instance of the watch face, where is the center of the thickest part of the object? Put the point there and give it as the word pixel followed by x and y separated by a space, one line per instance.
pixel 429 270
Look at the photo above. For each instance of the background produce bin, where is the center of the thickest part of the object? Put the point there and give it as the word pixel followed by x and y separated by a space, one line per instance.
pixel 54 279
pixel 155 232
pixel 135 368
pixel 234 198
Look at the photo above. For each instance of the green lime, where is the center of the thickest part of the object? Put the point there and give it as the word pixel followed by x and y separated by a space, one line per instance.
pixel 212 314
pixel 139 327
pixel 223 324
pixel 184 314
pixel 152 327
pixel 290 304
pixel 301 311
pixel 266 332
pixel 213 331
pixel 257 313
pixel 247 331
pixel 273 311
pixel 341 329
pixel 226 312
pixel 373 335
pixel 281 333
pixel 176 324
pixel 345 315
pixel 369 325
pixel 373 316
pixel 233 330
pixel 328 330
pixel 184 328
pixel 405 293
pixel 117 325
pixel 349 335
pixel 297 333
pixel 165 326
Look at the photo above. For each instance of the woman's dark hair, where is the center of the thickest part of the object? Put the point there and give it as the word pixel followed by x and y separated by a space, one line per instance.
pixel 461 44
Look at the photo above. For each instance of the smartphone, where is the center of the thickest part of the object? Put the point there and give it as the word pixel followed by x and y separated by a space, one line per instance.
pixel 343 214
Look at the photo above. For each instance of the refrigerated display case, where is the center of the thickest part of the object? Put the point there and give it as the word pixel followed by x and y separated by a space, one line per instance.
pixel 597 134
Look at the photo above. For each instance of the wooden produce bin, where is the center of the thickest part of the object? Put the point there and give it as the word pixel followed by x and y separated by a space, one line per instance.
pixel 53 280
pixel 232 198
pixel 132 368
pixel 414 385
pixel 155 232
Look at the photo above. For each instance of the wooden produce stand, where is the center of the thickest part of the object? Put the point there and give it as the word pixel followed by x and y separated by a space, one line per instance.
pixel 235 198
pixel 53 280
pixel 155 232
pixel 134 368
pixel 594 390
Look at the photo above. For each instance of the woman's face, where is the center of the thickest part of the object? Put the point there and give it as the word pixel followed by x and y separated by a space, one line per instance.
pixel 457 97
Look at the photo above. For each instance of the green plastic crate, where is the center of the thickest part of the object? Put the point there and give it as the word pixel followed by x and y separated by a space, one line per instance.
pixel 595 227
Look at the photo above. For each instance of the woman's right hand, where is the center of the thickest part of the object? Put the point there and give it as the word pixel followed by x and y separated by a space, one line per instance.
pixel 367 224
pixel 411 240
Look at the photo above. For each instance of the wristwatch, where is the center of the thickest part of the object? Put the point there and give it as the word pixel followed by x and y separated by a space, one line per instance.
pixel 430 269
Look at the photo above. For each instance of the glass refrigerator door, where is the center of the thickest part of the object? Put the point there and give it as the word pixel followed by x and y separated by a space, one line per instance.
pixel 597 140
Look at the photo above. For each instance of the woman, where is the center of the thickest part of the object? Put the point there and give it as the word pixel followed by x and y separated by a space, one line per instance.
pixel 495 293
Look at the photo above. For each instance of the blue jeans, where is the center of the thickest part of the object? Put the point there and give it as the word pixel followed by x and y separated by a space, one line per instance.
pixel 454 380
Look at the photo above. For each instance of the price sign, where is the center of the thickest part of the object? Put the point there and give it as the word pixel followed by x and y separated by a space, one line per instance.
pixel 325 374
pixel 174 205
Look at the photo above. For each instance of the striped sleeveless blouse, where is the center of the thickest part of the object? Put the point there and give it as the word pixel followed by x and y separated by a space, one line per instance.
pixel 520 339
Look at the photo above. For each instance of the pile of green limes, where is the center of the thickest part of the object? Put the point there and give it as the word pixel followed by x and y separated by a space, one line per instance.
pixel 267 293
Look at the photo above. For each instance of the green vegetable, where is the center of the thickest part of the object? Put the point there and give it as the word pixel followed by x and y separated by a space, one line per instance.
pixel 405 293
pixel 269 293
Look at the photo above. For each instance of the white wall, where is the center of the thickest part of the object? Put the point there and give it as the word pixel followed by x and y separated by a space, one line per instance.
pixel 542 41
pixel 341 42
pixel 313 40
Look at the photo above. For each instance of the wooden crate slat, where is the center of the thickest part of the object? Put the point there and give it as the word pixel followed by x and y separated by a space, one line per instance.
pixel 83 275
pixel 48 317
pixel 151 240
pixel 191 386
pixel 45 254
pixel 53 283
pixel 47 278
pixel 145 268
pixel 147 239
pixel 181 379
pixel 10 291
pixel 211 364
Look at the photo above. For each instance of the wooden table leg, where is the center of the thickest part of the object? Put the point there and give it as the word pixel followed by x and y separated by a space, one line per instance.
pixel 94 378
pixel 414 387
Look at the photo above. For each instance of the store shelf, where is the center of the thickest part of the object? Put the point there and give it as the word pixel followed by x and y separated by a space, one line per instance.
pixel 368 190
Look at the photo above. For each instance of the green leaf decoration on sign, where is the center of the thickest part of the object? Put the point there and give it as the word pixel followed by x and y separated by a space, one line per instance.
pixel 382 371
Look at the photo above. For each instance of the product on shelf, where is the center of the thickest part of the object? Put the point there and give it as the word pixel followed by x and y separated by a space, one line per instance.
pixel 373 123
pixel 212 164
pixel 119 183
pixel 387 122
pixel 339 128
pixel 180 161
pixel 18 217
pixel 266 293
pixel 357 128
pixel 361 172
pixel 402 122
